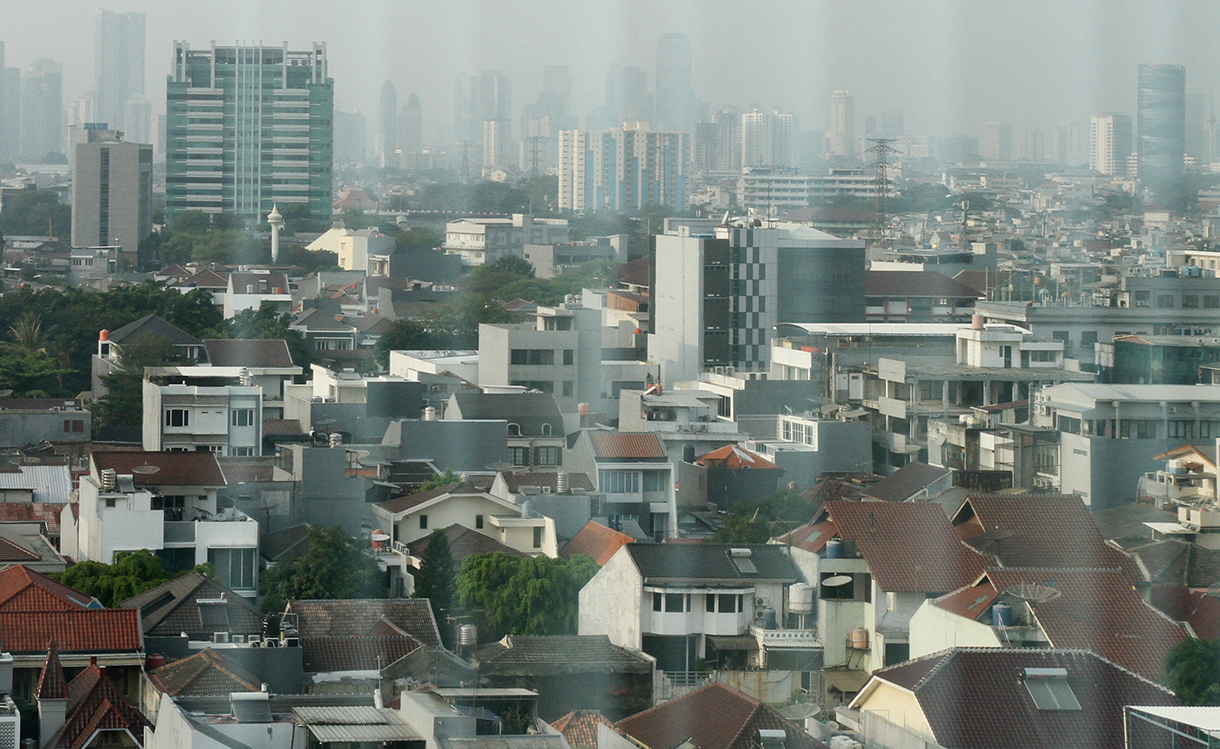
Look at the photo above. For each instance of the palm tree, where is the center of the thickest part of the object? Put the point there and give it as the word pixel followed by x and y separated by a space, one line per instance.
pixel 27 337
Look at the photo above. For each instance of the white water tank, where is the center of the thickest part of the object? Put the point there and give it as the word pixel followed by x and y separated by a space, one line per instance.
pixel 800 598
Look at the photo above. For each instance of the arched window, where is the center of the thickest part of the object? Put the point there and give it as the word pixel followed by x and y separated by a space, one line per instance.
pixel 514 430
pixel 546 430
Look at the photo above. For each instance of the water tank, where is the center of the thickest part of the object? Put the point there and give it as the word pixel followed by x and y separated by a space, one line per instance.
pixel 800 598
pixel 582 409
pixel 1001 615
pixel 859 638
pixel 976 322
pixel 561 483
pixel 834 549
pixel 154 661
pixel 430 414
pixel 109 479
pixel 688 453
pixel 769 620
pixel 468 635
pixel 244 379
pixel 335 439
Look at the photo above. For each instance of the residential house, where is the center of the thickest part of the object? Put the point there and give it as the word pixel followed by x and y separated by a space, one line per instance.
pixel 733 474
pixel 250 290
pixel 28 421
pixel 202 409
pixel 108 359
pixel 198 607
pixel 269 362
pixel 917 296
pixel 687 421
pixel 680 603
pixel 88 712
pixel 963 698
pixel 634 473
pixel 569 672
pixel 570 499
pixel 597 542
pixel 480 241
pixel 165 502
pixel 535 425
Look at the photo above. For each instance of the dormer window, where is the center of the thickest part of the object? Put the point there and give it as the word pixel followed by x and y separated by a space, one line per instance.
pixel 546 430
pixel 514 430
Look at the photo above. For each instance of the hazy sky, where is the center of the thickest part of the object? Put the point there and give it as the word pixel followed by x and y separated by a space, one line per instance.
pixel 950 65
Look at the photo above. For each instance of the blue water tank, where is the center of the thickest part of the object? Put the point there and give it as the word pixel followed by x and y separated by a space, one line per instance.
pixel 834 549
pixel 1001 615
pixel 769 621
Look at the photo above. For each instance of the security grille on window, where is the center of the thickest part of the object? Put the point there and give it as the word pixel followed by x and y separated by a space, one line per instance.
pixel 177 417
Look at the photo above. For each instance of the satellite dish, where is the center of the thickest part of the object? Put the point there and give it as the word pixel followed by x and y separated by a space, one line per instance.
pixel 145 470
pixel 359 454
pixel 1033 592
pixel 1213 590
pixel 996 534
pixel 835 581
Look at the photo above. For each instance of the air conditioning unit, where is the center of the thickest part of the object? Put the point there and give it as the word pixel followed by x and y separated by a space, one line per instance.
pixel 758 614
pixel 291 642
pixel 269 642
pixel 220 637
pixel 255 642
pixel 760 602
pixel 239 639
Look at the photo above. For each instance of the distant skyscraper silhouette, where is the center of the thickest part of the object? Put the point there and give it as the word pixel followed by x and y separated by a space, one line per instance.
pixel 675 103
pixel 118 67
pixel 42 107
pixel 841 140
pixel 387 133
pixel 410 126
pixel 1161 124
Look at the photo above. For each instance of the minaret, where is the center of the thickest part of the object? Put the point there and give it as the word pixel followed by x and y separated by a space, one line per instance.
pixel 277 221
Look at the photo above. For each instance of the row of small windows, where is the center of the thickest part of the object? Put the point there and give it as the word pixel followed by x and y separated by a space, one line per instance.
pixel 540 356
pixel 181 417
pixel 676 603
pixel 1138 429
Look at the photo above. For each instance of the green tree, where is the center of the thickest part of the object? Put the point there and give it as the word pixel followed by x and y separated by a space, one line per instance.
pixel 35 213
pixel 131 573
pixel 524 596
pixel 437 582
pixel 759 520
pixel 123 404
pixel 334 565
pixel 439 480
pixel 1192 671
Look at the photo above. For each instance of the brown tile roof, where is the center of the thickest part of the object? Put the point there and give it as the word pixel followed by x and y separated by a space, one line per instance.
pixel 284 544
pixel 88 630
pixel 597 541
pixel 1035 530
pixel 712 717
pixel 734 457
pixel 974 697
pixel 242 352
pixel 1198 609
pixel 811 537
pixel 95 703
pixel 173 607
pixel 616 445
pixel 1099 610
pixel 572 652
pixel 369 653
pixel 972 601
pixel 207 279
pixel 358 617
pixel 23 589
pixel 634 272
pixel 51 682
pixel 403 504
pixel 152 325
pixel 11 551
pixel 576 480
pixel 909 283
pixel 32 512
pixel 207 673
pixel 464 542
pixel 908 546
pixel 282 426
pixel 1172 561
pixel 579 727
pixel 906 482
pixel 176 469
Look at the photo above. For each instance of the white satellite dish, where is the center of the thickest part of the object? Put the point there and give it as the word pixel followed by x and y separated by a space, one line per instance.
pixel 835 581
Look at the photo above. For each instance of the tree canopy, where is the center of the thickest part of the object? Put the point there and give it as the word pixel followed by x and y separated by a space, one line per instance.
pixel 36 213
pixel 265 324
pixel 758 520
pixel 132 573
pixel 437 581
pixel 1192 671
pixel 524 595
pixel 333 566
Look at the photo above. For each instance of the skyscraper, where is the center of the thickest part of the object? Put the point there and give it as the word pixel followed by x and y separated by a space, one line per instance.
pixel 766 139
pixel 111 193
pixel 387 133
pixel 1197 116
pixel 119 68
pixel 627 96
pixel 487 95
pixel 1110 143
pixel 841 140
pixel 496 146
pixel 1160 124
pixel 622 169
pixel 10 109
pixel 410 126
pixel 728 140
pixel 996 143
pixel 675 103
pixel 248 128
pixel 42 106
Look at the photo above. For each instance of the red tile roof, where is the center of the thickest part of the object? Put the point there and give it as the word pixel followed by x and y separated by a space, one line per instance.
pixel 908 546
pixel 597 541
pixel 974 697
pixel 11 551
pixel 359 617
pixel 87 630
pixel 95 703
pixel 1098 610
pixel 579 727
pixel 207 673
pixel 175 469
pixel 734 457
pixel 22 589
pixel 51 682
pixel 32 512
pixel 712 717
pixel 1200 610
pixel 811 537
pixel 626 445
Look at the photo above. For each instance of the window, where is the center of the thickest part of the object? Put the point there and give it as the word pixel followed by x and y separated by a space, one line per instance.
pixel 1145 429
pixel 423 522
pixel 1062 335
pixel 1181 430
pixel 1190 301
pixel 74 425
pixel 1069 425
pixel 728 603
pixel 655 481
pixel 519 455
pixel 514 430
pixel 675 603
pixel 242 417
pixel 546 430
pixel 618 482
pixel 709 603
pixel 241 452
pixel 567 388
pixel 547 456
pixel 538 537
pixel 656 601
pixel 1088 337
pixel 478 522
pixel 1211 301
pixel 234 567
pixel 569 357
pixel 1164 301
pixel 177 417
pixel 532 356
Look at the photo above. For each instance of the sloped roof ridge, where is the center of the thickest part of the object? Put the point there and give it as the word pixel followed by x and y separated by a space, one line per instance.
pixel 704 688
pixel 1042 651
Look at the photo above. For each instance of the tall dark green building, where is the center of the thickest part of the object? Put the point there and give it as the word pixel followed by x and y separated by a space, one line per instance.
pixel 248 128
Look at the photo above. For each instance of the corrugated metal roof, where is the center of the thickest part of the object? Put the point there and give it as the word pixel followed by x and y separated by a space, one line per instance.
pixel 51 484
pixel 355 724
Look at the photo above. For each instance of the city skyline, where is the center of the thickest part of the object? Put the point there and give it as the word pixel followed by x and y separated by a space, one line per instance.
pixel 1075 62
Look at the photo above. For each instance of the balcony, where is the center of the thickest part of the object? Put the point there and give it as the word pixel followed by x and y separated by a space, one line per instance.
pixel 786 638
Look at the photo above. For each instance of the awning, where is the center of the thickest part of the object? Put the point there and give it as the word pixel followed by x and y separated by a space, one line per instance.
pixel 845 681
pixel 734 642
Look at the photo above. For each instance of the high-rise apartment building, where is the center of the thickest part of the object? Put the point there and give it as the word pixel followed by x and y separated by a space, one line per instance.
pixel 112 193
pixel 119 69
pixel 249 128
pixel 411 126
pixel 496 143
pixel 10 109
pixel 622 169
pixel 1160 124
pixel 137 119
pixel 1197 116
pixel 478 97
pixel 841 140
pixel 766 139
pixel 387 132
pixel 675 103
pixel 42 105
pixel 724 295
pixel 728 140
pixel 627 99
pixel 996 142
pixel 1110 143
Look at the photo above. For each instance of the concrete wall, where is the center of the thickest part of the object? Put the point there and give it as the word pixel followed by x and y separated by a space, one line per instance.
pixel 465 445
pixel 677 329
pixel 612 602
pixel 20 428
pixel 934 629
